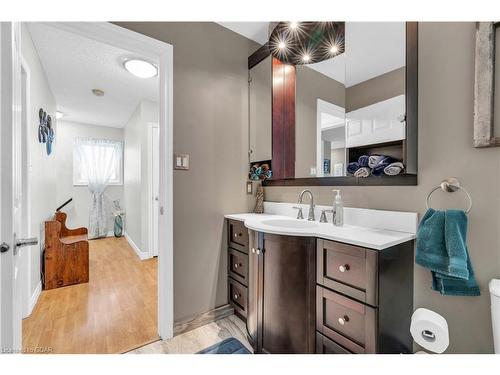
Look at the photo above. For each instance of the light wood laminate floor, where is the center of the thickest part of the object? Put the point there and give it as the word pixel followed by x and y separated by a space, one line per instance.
pixel 199 338
pixel 115 312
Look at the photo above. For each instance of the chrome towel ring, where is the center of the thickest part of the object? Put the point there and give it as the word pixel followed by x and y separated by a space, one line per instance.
pixel 450 185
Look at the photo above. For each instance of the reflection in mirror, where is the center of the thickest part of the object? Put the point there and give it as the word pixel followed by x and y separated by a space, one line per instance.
pixel 320 119
pixel 353 104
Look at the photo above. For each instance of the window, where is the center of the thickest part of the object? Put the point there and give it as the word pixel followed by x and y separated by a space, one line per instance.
pixel 98 160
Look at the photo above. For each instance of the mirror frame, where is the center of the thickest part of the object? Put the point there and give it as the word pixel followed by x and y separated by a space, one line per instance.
pixel 410 144
pixel 484 85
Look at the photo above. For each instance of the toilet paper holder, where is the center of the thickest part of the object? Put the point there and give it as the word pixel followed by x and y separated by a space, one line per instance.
pixel 429 330
pixel 428 335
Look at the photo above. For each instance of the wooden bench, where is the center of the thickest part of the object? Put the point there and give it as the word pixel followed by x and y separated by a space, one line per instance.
pixel 66 255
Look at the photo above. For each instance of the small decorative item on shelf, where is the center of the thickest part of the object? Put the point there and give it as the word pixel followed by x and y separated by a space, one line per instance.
pixel 118 219
pixel 375 165
pixel 45 130
pixel 259 172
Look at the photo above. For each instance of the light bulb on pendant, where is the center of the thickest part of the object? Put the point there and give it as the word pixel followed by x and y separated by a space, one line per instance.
pixel 281 45
pixel 334 49
pixel 306 58
pixel 294 25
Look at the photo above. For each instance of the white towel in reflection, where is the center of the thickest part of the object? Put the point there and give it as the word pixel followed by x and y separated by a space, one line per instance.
pixel 362 172
pixel 373 160
pixel 394 168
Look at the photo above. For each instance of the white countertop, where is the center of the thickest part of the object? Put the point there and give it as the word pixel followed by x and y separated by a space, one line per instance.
pixel 358 235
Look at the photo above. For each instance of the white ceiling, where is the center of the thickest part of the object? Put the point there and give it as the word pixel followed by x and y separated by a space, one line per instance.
pixel 75 65
pixel 372 49
pixel 256 31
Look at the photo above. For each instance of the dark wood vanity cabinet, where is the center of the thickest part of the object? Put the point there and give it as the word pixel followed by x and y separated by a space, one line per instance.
pixel 237 267
pixel 364 298
pixel 308 295
pixel 283 279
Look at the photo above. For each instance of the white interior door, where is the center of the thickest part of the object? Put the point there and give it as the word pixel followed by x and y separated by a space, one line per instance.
pixel 11 189
pixel 155 185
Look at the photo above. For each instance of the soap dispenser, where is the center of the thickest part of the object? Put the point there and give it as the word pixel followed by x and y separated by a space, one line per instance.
pixel 338 210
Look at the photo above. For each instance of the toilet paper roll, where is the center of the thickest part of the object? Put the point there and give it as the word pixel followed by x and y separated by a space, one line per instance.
pixel 429 330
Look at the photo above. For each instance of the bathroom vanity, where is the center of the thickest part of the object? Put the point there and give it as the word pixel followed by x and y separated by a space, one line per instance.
pixel 310 287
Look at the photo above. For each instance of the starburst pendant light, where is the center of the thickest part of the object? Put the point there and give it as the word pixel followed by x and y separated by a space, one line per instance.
pixel 300 43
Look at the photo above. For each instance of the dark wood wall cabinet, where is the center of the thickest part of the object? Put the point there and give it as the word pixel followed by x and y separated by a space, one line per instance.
pixel 310 295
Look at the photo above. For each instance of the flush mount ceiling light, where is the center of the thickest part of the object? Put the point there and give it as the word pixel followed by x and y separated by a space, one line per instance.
pixel 140 68
pixel 59 115
pixel 299 43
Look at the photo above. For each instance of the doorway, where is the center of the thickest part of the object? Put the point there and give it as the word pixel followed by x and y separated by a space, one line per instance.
pixel 162 54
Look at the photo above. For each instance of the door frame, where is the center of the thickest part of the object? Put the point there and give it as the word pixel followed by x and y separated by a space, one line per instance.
pixel 160 53
pixel 28 299
pixel 151 218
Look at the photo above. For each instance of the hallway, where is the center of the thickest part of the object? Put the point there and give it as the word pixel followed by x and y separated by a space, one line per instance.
pixel 114 313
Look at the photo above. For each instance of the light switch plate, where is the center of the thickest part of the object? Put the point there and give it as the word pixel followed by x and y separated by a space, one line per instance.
pixel 249 187
pixel 181 161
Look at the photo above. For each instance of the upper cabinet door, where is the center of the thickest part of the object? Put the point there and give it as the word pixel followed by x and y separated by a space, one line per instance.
pixel 260 100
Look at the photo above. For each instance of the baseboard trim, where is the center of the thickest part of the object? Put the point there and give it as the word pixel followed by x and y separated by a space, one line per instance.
pixel 132 244
pixel 34 297
pixel 203 319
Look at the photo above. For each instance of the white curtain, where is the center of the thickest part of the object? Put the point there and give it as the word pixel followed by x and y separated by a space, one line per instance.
pixel 97 163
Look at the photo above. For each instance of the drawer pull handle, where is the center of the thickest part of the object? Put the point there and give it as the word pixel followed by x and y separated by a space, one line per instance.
pixel 344 268
pixel 238 234
pixel 343 320
pixel 253 250
pixel 236 296
pixel 236 265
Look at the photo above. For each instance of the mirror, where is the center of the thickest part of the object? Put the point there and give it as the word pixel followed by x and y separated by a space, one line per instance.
pixel 353 104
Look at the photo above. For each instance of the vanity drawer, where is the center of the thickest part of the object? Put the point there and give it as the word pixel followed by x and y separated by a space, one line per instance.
pixel 350 270
pixel 346 321
pixel 238 297
pixel 326 346
pixel 238 235
pixel 237 264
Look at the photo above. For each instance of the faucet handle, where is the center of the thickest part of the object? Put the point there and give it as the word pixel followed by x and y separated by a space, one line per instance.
pixel 323 218
pixel 300 215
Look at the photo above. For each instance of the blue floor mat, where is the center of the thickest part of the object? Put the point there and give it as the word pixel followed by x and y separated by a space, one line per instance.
pixel 228 346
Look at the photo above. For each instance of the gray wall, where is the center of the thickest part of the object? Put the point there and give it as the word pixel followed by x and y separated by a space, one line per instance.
pixel 78 211
pixel 210 124
pixel 375 90
pixel 42 167
pixel 446 93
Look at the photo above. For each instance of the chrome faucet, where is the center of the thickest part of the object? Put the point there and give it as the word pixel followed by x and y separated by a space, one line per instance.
pixel 310 216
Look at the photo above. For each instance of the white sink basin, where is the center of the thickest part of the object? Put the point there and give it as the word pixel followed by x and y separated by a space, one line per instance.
pixel 290 223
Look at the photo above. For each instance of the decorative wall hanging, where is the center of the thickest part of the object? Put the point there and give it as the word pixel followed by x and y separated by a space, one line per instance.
pixel 45 130
pixel 484 87
pixel 300 43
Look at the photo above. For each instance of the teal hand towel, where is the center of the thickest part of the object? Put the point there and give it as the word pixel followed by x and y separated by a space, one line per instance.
pixel 442 248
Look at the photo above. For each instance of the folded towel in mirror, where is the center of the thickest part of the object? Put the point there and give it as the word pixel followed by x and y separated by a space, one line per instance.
pixel 363 160
pixel 362 172
pixel 383 162
pixel 373 160
pixel 352 167
pixel 394 168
